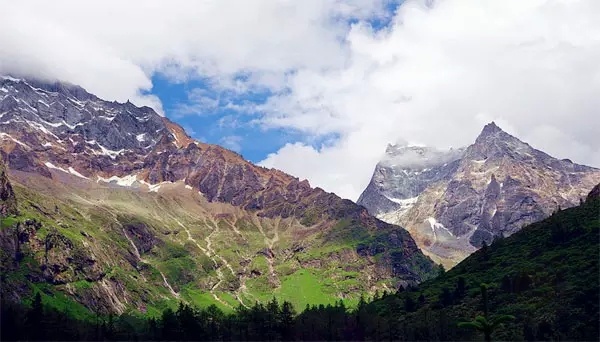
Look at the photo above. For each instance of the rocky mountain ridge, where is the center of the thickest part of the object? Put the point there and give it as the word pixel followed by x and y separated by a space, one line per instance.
pixel 62 127
pixel 490 189
pixel 130 196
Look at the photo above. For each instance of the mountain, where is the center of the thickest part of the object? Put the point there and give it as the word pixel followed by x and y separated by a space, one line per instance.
pixel 453 201
pixel 119 209
pixel 522 282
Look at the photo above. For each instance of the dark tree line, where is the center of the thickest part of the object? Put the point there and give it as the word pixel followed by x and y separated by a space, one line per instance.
pixel 407 315
pixel 271 322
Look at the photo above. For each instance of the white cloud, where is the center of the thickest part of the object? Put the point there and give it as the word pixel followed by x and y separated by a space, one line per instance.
pixel 112 47
pixel 439 72
pixel 232 142
pixel 437 75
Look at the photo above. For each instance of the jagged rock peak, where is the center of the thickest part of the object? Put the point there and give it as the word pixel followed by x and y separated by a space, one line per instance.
pixel 491 132
pixel 493 142
pixel 498 185
pixel 491 129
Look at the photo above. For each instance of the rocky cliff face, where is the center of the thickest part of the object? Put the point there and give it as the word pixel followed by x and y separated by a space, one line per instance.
pixel 8 202
pixel 403 174
pixel 492 188
pixel 154 204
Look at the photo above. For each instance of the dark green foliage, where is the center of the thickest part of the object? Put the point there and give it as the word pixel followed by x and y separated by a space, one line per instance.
pixel 547 280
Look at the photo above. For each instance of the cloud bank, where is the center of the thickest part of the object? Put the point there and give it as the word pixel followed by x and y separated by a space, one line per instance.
pixel 113 47
pixel 435 75
pixel 439 73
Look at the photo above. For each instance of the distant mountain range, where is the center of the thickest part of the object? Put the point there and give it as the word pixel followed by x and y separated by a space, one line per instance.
pixel 453 201
pixel 119 209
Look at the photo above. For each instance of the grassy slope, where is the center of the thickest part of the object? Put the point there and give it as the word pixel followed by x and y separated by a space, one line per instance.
pixel 545 275
pixel 92 218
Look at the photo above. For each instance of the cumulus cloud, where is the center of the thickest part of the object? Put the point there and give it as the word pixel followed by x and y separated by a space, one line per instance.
pixel 434 76
pixel 113 47
pixel 439 73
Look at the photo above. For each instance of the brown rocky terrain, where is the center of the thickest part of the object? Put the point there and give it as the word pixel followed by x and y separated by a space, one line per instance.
pixel 126 211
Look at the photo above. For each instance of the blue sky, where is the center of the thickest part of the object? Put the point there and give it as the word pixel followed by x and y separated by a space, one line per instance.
pixel 219 124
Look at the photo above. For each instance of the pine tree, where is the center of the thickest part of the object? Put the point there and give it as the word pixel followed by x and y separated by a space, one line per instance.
pixel 485 251
pixel 461 287
pixel 483 323
pixel 286 321
pixel 409 304
pixel 35 319
pixel 170 325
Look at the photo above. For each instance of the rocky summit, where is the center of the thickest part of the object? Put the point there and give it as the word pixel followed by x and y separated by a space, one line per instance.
pixel 454 201
pixel 119 209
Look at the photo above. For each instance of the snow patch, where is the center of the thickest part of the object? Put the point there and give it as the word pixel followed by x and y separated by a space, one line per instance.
pixel 40 127
pixel 5 135
pixel 128 180
pixel 51 123
pixel 107 118
pixel 156 187
pixel 434 224
pixel 406 201
pixel 106 152
pixel 64 123
pixel 131 180
pixel 70 170
pixel 10 78
pixel 74 172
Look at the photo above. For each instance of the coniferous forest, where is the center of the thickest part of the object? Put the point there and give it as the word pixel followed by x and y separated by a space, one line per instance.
pixel 539 284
